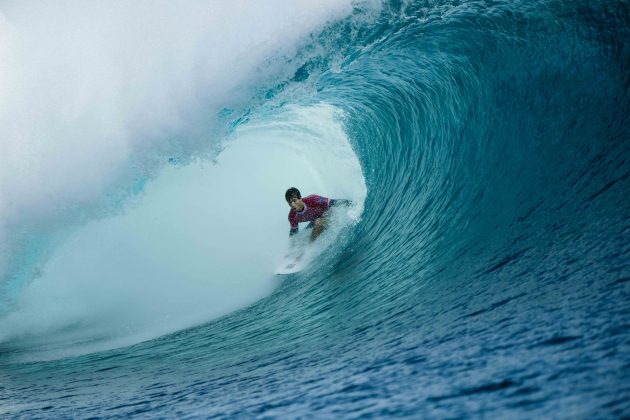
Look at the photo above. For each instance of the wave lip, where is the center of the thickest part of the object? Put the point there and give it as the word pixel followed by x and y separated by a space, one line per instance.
pixel 487 273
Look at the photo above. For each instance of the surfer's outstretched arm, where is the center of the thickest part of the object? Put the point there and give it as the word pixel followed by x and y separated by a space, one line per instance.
pixel 340 202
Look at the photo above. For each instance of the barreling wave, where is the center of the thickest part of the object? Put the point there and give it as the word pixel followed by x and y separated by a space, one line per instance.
pixel 488 144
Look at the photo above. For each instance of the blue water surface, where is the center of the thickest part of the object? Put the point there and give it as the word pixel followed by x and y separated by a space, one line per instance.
pixel 489 275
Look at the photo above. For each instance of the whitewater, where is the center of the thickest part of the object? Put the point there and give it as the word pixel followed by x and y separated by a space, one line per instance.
pixel 145 149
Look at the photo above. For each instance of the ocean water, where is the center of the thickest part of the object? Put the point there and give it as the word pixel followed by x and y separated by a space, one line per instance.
pixel 144 153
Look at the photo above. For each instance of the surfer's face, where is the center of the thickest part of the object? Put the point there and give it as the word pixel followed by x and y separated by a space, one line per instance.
pixel 296 203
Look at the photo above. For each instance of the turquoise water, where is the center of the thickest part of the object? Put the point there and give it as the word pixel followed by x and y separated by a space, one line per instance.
pixel 485 273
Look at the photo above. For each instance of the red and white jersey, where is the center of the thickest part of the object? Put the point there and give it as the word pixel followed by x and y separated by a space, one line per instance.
pixel 314 207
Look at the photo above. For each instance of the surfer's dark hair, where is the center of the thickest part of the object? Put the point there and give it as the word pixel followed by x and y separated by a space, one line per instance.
pixel 292 192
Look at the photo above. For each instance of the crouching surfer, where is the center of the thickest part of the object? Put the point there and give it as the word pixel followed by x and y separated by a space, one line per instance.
pixel 313 209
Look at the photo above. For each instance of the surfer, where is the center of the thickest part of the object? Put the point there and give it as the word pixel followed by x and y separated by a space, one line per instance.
pixel 313 208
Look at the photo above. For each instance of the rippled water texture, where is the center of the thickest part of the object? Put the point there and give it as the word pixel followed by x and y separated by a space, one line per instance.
pixel 489 272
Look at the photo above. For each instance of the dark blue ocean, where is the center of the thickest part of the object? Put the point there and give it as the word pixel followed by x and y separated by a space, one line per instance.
pixel 487 275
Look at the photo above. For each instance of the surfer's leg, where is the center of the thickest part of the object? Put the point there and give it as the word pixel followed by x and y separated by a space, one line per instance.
pixel 318 227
